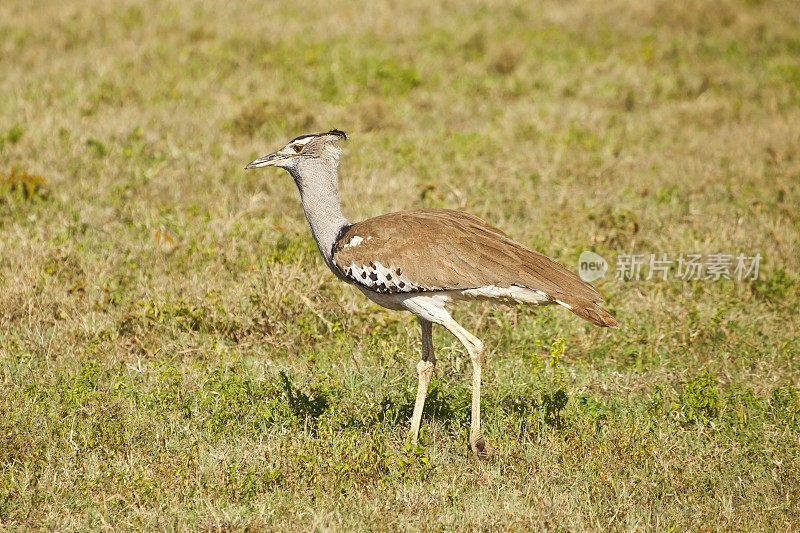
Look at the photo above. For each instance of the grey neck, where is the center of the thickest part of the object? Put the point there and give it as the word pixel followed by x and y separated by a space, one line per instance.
pixel 318 183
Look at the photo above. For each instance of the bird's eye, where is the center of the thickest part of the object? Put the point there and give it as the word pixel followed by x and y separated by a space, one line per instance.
pixel 297 148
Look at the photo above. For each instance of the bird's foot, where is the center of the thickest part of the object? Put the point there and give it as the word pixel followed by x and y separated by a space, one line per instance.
pixel 478 445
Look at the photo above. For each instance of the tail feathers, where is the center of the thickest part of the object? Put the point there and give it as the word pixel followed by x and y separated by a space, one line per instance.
pixel 593 313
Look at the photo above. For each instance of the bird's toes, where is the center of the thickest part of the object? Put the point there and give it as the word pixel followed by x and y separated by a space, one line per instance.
pixel 479 447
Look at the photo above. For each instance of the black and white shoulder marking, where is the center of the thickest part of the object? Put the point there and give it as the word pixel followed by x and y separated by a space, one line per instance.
pixel 385 279
pixel 381 278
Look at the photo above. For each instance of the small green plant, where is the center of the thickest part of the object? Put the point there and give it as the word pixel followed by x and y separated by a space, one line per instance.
pixel 413 462
pixel 13 135
pixel 699 401
pixel 554 404
pixel 773 285
pixel 100 149
pixel 20 185
pixel 304 405
pixel 784 404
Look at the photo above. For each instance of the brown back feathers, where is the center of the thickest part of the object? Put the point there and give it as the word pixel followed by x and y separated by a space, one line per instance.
pixel 440 249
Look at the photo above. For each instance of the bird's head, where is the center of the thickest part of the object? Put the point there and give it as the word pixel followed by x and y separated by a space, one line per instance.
pixel 303 148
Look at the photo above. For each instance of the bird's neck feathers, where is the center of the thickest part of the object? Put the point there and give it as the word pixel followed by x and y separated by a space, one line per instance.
pixel 318 183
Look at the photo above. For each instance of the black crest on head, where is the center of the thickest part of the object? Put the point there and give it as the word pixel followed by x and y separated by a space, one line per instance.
pixel 338 133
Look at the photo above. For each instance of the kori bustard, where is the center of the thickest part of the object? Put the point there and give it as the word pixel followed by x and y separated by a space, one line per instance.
pixel 423 259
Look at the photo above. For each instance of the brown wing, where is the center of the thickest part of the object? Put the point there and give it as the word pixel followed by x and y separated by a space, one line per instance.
pixel 440 249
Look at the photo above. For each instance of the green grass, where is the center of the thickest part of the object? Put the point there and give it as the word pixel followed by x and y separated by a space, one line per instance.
pixel 174 353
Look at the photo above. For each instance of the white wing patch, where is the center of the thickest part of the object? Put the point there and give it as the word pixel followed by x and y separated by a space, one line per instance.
pixel 565 304
pixel 355 241
pixel 508 295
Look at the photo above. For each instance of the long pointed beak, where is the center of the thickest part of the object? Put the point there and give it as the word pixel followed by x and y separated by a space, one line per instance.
pixel 267 160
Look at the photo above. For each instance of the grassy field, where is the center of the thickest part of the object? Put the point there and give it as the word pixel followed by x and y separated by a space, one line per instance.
pixel 175 355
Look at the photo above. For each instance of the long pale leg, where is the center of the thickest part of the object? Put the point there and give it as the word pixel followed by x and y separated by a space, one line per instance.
pixel 424 373
pixel 476 354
